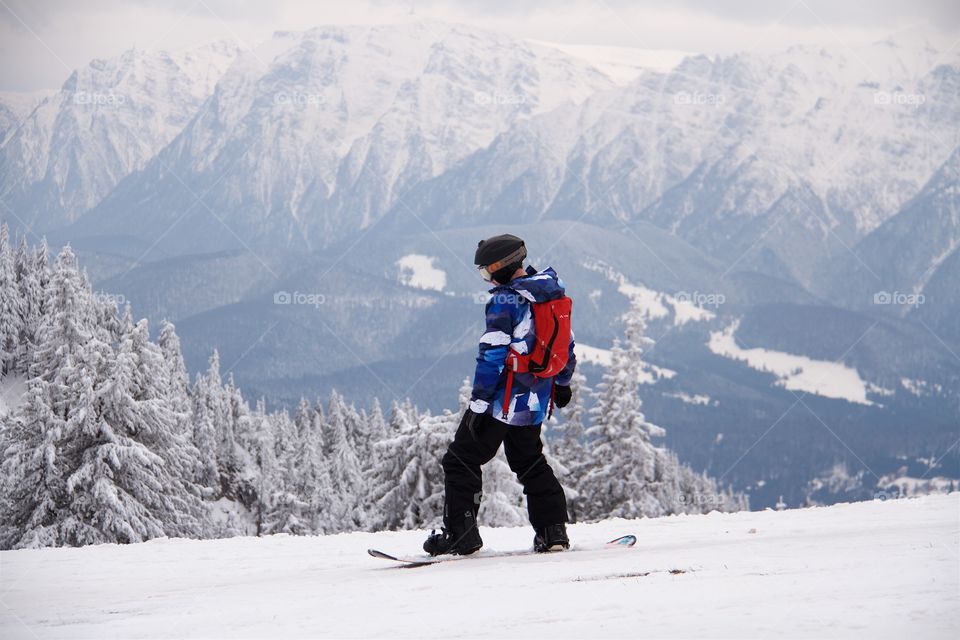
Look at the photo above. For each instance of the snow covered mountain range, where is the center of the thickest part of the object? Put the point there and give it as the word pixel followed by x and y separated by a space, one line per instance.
pixel 315 135
pixel 311 136
pixel 106 121
pixel 807 199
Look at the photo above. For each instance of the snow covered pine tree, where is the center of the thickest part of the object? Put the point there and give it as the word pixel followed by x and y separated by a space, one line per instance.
pixel 104 438
pixel 626 475
pixel 96 452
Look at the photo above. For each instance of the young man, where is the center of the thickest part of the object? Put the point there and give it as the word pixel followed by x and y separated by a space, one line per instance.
pixel 485 424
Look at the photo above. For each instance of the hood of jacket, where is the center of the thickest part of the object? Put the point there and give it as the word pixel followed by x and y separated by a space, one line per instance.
pixel 539 287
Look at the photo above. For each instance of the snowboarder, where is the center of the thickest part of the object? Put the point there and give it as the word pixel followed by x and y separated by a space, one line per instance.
pixel 510 399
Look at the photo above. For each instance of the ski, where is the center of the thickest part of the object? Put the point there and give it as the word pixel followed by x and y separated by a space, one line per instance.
pixel 421 561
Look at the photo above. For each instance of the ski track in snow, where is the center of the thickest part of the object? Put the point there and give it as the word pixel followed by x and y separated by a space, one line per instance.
pixel 872 570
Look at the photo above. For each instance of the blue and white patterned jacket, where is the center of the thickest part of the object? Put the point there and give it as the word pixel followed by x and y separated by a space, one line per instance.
pixel 510 324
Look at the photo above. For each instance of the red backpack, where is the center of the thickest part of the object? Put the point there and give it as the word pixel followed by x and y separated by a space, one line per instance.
pixel 551 346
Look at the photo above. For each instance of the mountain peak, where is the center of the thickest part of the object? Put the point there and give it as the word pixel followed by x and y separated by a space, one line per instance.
pixel 107 120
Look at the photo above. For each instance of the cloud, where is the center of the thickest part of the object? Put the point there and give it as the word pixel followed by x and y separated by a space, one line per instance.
pixel 832 13
pixel 41 42
pixel 942 14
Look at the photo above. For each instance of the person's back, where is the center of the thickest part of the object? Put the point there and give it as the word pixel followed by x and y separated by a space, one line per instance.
pixel 507 407
pixel 511 328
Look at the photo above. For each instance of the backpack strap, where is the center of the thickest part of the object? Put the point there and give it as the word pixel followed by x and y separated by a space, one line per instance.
pixel 514 362
pixel 506 393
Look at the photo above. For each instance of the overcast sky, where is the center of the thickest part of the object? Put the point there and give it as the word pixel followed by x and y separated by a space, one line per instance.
pixel 42 41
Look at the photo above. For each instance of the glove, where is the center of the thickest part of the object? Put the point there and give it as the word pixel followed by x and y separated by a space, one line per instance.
pixel 471 420
pixel 562 395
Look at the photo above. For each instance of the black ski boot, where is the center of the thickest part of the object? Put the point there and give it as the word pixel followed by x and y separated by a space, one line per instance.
pixel 551 538
pixel 461 540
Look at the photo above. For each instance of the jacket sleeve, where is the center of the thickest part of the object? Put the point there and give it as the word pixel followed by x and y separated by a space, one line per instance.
pixel 492 354
pixel 563 378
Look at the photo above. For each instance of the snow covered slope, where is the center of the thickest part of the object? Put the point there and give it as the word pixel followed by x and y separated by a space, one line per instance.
pixel 872 570
pixel 795 372
pixel 15 106
pixel 770 161
pixel 903 255
pixel 622 64
pixel 107 120
pixel 315 134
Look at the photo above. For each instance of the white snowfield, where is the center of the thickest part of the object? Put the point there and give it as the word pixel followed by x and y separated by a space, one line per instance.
pixel 419 271
pixel 796 372
pixel 646 374
pixel 653 305
pixel 622 64
pixel 867 570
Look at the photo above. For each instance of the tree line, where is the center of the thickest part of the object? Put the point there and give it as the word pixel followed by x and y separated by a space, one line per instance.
pixel 105 438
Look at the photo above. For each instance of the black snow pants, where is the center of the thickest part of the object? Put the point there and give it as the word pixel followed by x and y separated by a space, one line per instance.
pixel 463 484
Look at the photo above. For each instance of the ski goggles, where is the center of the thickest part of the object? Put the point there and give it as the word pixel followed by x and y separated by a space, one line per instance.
pixel 487 270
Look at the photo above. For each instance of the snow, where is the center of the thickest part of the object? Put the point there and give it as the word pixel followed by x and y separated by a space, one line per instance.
pixel 880 569
pixel 15 106
pixel 651 373
pixel 920 387
pixel 794 372
pixel 649 302
pixel 686 311
pixel 935 264
pixel 647 374
pixel 621 64
pixel 806 118
pixel 592 355
pixel 316 107
pixel 655 305
pixel 418 271
pixel 12 389
pixel 108 120
pixel 21 103
pixel 904 485
pixel 880 391
pixel 229 515
pixel 696 399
